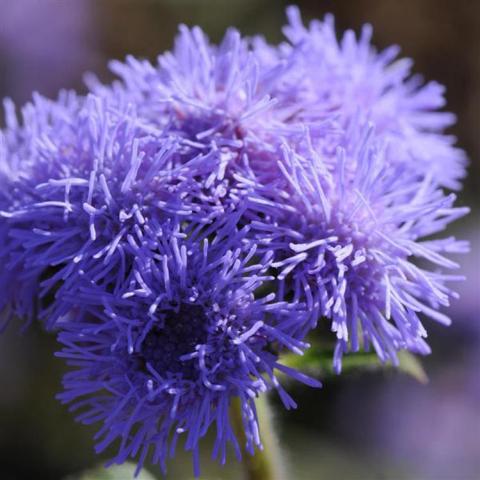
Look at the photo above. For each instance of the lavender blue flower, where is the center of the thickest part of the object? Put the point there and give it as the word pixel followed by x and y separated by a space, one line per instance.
pixel 25 256
pixel 144 221
pixel 198 88
pixel 248 92
pixel 114 234
pixel 81 181
pixel 348 79
pixel 218 96
pixel 354 245
pixel 161 358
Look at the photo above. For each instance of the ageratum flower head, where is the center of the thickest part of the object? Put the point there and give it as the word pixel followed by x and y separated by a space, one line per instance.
pixel 144 220
pixel 349 79
pixel 247 94
pixel 22 167
pixel 215 95
pixel 81 180
pixel 91 194
pixel 161 358
pixel 199 86
pixel 355 246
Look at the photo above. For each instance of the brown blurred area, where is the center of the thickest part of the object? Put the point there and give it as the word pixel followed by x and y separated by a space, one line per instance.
pixel 371 426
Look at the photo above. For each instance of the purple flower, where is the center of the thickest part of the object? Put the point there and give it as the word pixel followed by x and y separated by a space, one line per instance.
pixel 198 88
pixel 82 179
pixel 218 96
pixel 354 245
pixel 349 80
pixel 117 233
pixel 188 223
pixel 25 154
pixel 249 95
pixel 161 357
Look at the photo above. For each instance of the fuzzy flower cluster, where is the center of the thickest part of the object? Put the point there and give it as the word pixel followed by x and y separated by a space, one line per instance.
pixel 185 225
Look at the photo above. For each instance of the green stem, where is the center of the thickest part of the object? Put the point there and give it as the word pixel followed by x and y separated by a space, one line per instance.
pixel 265 464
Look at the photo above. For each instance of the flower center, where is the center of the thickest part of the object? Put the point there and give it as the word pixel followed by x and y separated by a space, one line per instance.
pixel 182 331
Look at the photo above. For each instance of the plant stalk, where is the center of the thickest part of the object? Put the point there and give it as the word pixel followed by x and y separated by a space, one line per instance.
pixel 265 464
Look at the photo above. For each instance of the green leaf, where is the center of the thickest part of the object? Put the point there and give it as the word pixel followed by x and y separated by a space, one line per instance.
pixel 411 365
pixel 117 472
pixel 319 362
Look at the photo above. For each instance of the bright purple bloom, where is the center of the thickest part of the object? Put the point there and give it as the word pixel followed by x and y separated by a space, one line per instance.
pixel 208 90
pixel 347 79
pixel 221 96
pixel 354 245
pixel 145 220
pixel 116 233
pixel 246 91
pixel 28 161
pixel 160 358
pixel 82 180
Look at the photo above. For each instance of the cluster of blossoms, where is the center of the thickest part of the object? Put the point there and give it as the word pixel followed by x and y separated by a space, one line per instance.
pixel 183 226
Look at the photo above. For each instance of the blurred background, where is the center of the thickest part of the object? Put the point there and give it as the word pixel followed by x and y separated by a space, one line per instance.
pixel 368 426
